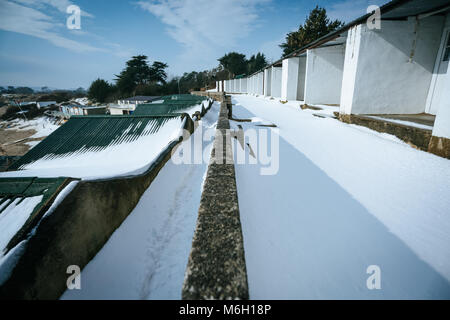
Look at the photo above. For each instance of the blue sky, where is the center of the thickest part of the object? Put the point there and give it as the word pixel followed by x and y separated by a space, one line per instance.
pixel 37 49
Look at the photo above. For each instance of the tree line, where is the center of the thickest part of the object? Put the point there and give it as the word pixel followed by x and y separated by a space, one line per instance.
pixel 139 77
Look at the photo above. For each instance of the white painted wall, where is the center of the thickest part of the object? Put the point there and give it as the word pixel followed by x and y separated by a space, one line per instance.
pixel 442 122
pixel 301 78
pixel 379 77
pixel 276 82
pixel 260 83
pixel 289 78
pixel 324 69
pixel 244 85
pixel 267 82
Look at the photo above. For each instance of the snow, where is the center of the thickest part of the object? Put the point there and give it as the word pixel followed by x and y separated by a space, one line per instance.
pixel 115 160
pixel 83 101
pixel 13 223
pixel 32 144
pixel 9 261
pixel 146 257
pixel 42 125
pixel 345 198
pixel 14 217
pixel 59 198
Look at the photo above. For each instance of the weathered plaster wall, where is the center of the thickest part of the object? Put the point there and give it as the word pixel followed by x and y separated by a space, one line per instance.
pixel 442 122
pixel 324 71
pixel 244 85
pixel 276 82
pixel 379 76
pixel 267 82
pixel 293 78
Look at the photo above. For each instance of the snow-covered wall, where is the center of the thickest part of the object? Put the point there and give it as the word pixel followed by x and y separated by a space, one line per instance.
pixel 324 69
pixel 388 71
pixel 275 82
pixel 267 82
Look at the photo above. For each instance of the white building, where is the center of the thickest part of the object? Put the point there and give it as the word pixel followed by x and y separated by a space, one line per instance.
pixel 133 102
pixel 45 104
pixel 398 68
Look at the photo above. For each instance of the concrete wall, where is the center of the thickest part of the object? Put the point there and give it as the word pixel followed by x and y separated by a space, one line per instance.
pixel 324 70
pixel 216 267
pixel 267 82
pixel 293 78
pixel 388 71
pixel 260 83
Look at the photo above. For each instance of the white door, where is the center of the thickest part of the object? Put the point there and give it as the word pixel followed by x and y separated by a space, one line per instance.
pixel 439 72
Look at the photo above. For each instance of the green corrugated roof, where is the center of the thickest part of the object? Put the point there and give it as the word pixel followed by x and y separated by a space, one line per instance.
pixel 163 108
pixel 93 133
pixel 185 97
pixel 22 188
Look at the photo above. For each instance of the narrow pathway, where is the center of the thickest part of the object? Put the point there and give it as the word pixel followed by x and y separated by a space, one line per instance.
pixel 146 256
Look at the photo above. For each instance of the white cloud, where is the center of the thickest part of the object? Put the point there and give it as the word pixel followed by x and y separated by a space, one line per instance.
pixel 205 28
pixel 21 19
pixel 60 5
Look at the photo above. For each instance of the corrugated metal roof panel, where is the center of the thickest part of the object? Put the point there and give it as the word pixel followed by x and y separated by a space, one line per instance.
pixel 164 108
pixel 92 134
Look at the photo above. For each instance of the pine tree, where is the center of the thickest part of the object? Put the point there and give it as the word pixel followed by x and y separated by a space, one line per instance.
pixel 316 25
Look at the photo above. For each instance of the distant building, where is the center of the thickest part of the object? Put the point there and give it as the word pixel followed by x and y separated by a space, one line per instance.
pixel 45 104
pixel 115 109
pixel 80 110
pixel 134 101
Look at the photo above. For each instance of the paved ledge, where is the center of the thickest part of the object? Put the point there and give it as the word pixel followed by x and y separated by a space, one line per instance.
pixel 416 137
pixel 216 268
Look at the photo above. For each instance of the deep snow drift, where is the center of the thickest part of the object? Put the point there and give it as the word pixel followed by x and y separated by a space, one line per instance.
pixel 146 256
pixel 345 198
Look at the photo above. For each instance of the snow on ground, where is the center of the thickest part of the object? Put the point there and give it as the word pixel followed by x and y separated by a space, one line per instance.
pixel 124 158
pixel 42 125
pixel 345 198
pixel 146 256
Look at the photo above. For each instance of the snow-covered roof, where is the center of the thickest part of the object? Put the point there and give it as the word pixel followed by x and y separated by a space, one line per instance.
pixel 99 146
pixel 21 200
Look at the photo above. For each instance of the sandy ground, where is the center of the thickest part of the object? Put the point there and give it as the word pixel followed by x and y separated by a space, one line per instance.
pixel 13 142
